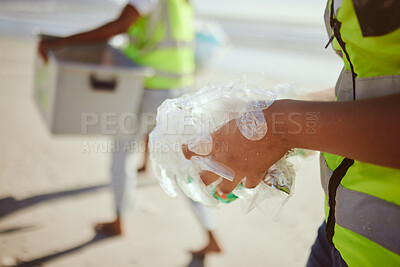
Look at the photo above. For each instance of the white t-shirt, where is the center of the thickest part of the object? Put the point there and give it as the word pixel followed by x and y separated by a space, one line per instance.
pixel 145 7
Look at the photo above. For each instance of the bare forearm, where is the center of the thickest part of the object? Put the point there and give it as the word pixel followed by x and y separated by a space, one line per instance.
pixel 365 130
pixel 101 34
pixel 128 16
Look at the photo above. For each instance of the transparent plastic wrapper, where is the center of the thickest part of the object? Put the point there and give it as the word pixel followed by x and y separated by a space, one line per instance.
pixel 192 118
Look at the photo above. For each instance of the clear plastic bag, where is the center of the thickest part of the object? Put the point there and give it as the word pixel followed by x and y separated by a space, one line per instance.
pixel 192 118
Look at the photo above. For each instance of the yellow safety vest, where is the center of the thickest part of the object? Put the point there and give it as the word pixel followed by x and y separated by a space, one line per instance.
pixel 164 40
pixel 363 200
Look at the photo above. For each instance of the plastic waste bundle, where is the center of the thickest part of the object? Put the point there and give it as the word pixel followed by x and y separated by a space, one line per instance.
pixel 191 119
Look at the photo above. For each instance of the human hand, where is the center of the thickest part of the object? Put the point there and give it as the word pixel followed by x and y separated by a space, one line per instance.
pixel 42 50
pixel 246 158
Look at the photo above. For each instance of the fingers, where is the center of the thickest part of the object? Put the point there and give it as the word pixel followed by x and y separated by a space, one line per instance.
pixel 43 55
pixel 252 182
pixel 227 187
pixel 187 153
pixel 42 49
pixel 208 177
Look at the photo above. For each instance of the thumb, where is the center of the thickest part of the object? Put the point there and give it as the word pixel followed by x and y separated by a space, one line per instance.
pixel 188 153
pixel 252 181
pixel 196 147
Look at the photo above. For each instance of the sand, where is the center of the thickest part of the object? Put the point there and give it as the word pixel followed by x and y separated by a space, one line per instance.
pixel 52 193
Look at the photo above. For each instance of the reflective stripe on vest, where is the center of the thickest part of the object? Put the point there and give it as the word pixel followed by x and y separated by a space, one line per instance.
pixel 369 216
pixel 168 74
pixel 171 58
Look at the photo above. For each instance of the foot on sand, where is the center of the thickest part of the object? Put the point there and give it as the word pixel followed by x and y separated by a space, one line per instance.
pixel 142 169
pixel 212 247
pixel 112 228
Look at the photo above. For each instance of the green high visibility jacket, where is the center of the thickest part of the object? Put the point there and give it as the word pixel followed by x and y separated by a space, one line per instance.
pixel 164 40
pixel 363 200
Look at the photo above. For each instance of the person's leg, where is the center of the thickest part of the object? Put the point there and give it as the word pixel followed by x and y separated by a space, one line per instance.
pixel 203 214
pixel 124 170
pixel 123 183
pixel 154 98
pixel 323 254
pixel 146 155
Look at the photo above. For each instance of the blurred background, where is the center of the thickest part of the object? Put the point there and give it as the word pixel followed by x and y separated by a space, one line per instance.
pixel 52 191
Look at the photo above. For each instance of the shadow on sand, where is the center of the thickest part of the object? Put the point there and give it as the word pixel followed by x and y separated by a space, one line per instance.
pixel 40 261
pixel 10 205
pixel 197 261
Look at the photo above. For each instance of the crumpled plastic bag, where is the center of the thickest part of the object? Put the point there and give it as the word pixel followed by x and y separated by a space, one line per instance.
pixel 192 118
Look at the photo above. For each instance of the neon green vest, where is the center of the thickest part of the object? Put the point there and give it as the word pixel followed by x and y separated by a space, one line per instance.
pixel 367 210
pixel 164 41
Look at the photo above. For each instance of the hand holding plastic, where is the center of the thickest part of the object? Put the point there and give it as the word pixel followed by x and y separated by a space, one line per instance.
pixel 222 130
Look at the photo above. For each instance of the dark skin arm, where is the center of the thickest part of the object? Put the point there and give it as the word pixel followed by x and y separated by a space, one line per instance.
pixel 364 130
pixel 128 16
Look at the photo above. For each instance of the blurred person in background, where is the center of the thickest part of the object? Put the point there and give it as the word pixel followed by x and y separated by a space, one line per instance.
pixel 161 36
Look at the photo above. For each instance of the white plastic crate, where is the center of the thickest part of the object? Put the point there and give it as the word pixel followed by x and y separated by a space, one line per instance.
pixel 90 89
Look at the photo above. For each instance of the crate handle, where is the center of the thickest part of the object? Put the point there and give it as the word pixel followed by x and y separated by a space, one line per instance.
pixel 103 85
